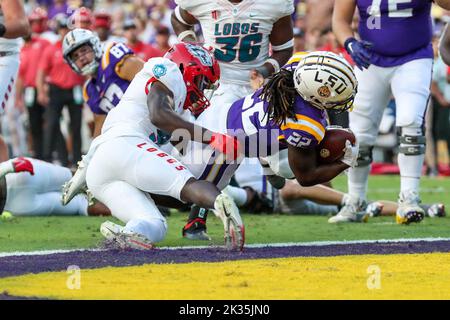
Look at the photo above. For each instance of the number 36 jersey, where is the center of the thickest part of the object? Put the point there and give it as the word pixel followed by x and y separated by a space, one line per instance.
pixel 104 92
pixel 239 33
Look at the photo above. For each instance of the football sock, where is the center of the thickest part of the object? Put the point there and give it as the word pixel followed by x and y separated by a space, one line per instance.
pixel 357 181
pixel 239 195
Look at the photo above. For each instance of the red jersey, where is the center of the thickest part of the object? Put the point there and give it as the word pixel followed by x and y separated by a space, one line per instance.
pixel 57 70
pixel 30 56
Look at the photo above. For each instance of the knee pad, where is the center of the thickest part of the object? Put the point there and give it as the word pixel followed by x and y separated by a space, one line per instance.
pixel 411 144
pixel 365 156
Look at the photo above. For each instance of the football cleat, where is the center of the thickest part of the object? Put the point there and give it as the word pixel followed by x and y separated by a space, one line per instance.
pixel 354 210
pixel 374 209
pixel 76 185
pixel 125 239
pixel 436 210
pixel 228 212
pixel 409 209
pixel 196 230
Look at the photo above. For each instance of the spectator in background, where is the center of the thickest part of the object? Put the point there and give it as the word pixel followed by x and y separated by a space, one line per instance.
pixel 102 26
pixel 142 50
pixel 57 7
pixel 299 40
pixel 162 39
pixel 26 93
pixel 82 18
pixel 65 89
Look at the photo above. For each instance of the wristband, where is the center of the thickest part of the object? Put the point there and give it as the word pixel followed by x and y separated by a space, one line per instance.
pixel 283 46
pixel 185 34
pixel 347 44
pixel 180 18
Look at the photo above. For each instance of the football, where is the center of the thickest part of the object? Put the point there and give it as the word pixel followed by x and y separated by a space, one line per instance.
pixel 332 147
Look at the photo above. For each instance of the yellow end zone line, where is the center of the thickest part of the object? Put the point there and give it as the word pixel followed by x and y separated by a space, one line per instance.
pixel 399 276
pixel 253 245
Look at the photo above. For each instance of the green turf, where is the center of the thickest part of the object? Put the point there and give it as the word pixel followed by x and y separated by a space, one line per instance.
pixel 43 233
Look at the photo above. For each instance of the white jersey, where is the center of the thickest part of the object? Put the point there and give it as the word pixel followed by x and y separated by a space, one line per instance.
pixel 131 116
pixel 8 44
pixel 239 33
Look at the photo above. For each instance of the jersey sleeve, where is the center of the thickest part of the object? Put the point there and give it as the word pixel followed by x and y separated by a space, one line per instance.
pixel 168 73
pixel 113 57
pixel 192 6
pixel 303 133
pixel 286 8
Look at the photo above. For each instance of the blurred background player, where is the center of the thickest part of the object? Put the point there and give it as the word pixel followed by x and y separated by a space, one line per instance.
pixel 252 39
pixel 395 44
pixel 102 26
pixel 59 86
pixel 13 25
pixel 143 50
pixel 26 92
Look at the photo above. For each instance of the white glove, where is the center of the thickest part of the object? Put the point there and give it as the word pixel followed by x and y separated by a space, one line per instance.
pixel 351 154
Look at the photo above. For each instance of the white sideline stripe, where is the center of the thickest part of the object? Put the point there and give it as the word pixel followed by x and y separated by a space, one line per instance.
pixel 255 245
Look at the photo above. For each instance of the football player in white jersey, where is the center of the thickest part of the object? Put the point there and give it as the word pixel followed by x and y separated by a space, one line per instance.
pixel 13 25
pixel 126 166
pixel 241 33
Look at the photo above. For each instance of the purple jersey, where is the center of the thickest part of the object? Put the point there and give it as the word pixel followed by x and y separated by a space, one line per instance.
pixel 248 119
pixel 103 92
pixel 400 30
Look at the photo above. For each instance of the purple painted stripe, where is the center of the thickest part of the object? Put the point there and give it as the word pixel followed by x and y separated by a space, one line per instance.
pixel 17 265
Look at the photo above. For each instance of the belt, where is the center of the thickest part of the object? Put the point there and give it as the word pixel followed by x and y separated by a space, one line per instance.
pixel 3 194
pixel 7 53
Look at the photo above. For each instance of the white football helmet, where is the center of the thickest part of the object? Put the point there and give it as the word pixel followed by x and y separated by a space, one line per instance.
pixel 75 39
pixel 326 80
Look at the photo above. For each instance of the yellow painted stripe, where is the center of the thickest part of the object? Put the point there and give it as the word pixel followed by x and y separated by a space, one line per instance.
pixel 105 60
pixel 302 127
pixel 408 276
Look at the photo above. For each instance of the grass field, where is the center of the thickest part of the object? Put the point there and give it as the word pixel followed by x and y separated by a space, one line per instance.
pixel 44 233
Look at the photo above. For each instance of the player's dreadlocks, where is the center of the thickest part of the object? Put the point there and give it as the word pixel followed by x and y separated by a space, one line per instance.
pixel 280 93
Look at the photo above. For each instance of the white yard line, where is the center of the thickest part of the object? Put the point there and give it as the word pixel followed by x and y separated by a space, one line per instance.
pixel 255 245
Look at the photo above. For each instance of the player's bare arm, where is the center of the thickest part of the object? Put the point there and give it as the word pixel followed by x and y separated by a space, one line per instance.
pixel 342 19
pixel 16 22
pixel 183 25
pixel 162 115
pixel 282 43
pixel 445 4
pixel 303 163
pixel 444 46
pixel 99 119
pixel 130 67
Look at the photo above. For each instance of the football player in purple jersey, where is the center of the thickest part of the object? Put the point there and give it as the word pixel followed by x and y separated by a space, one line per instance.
pixel 394 57
pixel 283 122
pixel 109 72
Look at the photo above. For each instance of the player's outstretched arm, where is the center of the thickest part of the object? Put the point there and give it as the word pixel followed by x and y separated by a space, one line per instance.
pixel 16 23
pixel 445 4
pixel 444 46
pixel 303 163
pixel 162 115
pixel 183 25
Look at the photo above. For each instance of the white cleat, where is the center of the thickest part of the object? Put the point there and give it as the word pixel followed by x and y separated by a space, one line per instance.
pixel 352 211
pixel 76 185
pixel 125 239
pixel 228 212
pixel 409 209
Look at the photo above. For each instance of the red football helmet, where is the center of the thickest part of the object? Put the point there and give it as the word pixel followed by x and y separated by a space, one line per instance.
pixel 200 71
pixel 38 20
